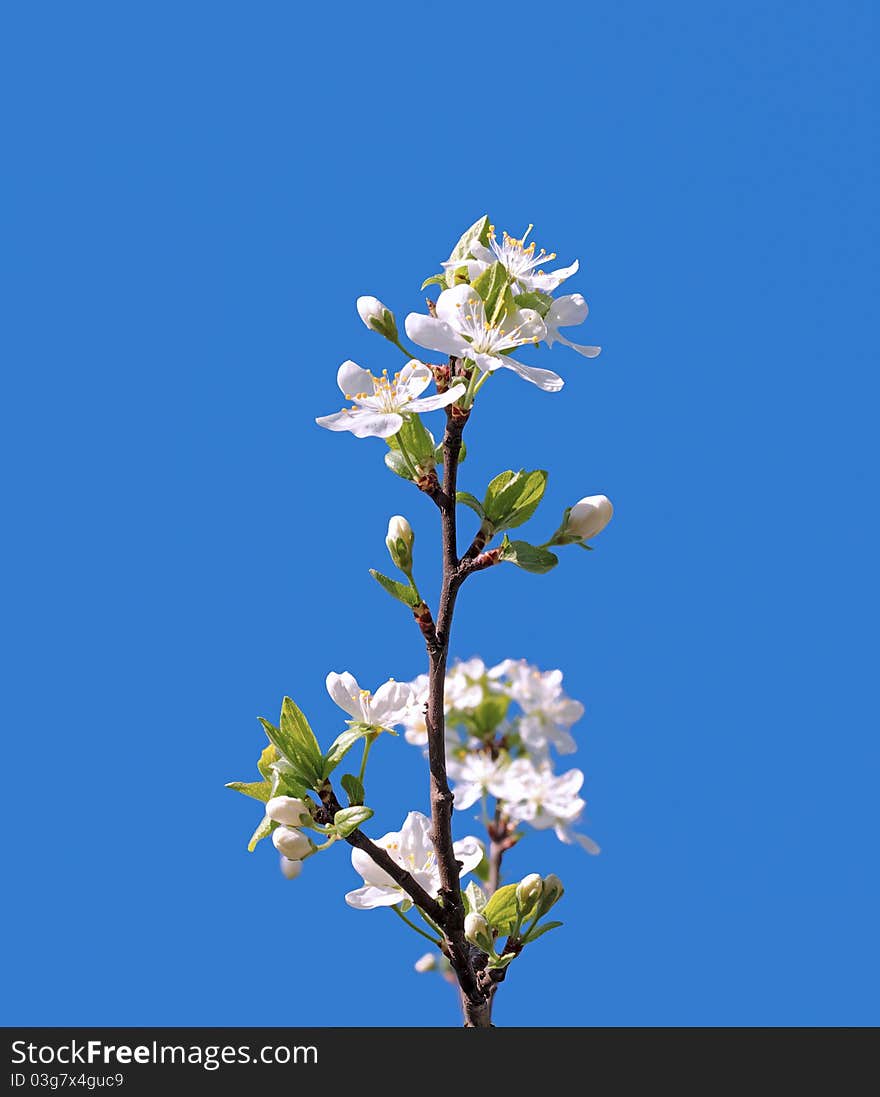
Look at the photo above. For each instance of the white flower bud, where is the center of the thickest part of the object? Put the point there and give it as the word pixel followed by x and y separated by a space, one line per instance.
pixel 377 317
pixel 399 541
pixel 288 810
pixel 293 844
pixel 589 516
pixel 428 962
pixel 477 931
pixel 553 891
pixel 290 869
pixel 529 891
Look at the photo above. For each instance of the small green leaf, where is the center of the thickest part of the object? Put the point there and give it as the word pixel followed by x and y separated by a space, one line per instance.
pixel 528 557
pixel 348 820
pixel 489 714
pixel 478 233
pixel 257 790
pixel 539 931
pixel 493 285
pixel 287 780
pixel 395 460
pixel 435 280
pixel 468 500
pixel 513 497
pixel 536 300
pixel 296 742
pixel 354 788
pixel 500 912
pixel 482 870
pixel 417 440
pixel 475 897
pixel 269 755
pixel 400 591
pixel 342 744
pixel 263 831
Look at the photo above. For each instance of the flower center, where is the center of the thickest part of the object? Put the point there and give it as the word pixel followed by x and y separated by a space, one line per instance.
pixel 517 257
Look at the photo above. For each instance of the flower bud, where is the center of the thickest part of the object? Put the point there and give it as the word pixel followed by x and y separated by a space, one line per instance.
pixel 477 931
pixel 377 317
pixel 428 962
pixel 529 891
pixel 288 810
pixel 400 543
pixel 293 844
pixel 290 869
pixel 589 516
pixel 552 893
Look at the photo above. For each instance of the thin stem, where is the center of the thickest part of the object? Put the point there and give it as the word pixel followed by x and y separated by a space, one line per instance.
pixel 368 743
pixel 412 925
pixel 401 347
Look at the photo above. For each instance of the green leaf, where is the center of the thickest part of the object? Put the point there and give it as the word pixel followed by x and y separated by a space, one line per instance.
pixel 269 755
pixel 513 497
pixel 342 744
pixel 528 557
pixel 478 233
pixel 489 713
pixel 417 440
pixel 471 501
pixel 354 788
pixel 263 831
pixel 536 300
pixel 435 280
pixel 475 898
pixel 395 460
pixel 539 931
pixel 296 742
pixel 287 780
pixel 400 591
pixel 348 820
pixel 500 912
pixel 493 285
pixel 257 790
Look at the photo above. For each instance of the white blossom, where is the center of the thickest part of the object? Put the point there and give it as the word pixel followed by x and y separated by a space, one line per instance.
pixel 535 795
pixel 290 869
pixel 523 264
pixel 475 776
pixel 547 712
pixel 461 328
pixel 292 844
pixel 379 404
pixel 383 709
pixel 288 810
pixel 427 962
pixel 411 848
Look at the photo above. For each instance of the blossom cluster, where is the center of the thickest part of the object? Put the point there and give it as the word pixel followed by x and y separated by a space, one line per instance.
pixel 503 724
pixel 496 298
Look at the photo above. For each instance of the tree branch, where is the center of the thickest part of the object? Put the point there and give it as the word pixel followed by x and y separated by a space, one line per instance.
pixel 384 860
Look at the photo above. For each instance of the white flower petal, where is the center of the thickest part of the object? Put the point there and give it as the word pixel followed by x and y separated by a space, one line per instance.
pixel 547 283
pixel 439 400
pixel 390 703
pixel 412 379
pixel 366 867
pixel 352 378
pixel 487 363
pixel 345 691
pixel 567 311
pixel 368 898
pixel 527 323
pixel 470 852
pixel 367 423
pixel 451 302
pixel 434 334
pixel 466 795
pixel 587 352
pixel 545 379
pixel 415 842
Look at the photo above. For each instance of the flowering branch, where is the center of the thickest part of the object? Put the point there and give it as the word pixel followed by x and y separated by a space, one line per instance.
pixel 496 297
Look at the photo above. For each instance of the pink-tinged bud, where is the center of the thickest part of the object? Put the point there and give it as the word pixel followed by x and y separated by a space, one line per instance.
pixel 589 516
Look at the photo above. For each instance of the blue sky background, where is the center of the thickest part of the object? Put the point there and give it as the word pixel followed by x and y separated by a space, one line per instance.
pixel 195 196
